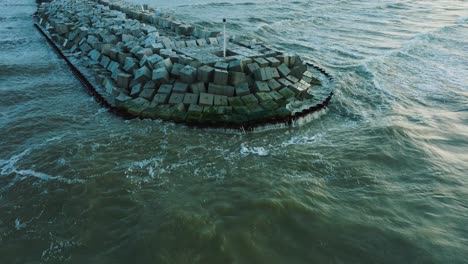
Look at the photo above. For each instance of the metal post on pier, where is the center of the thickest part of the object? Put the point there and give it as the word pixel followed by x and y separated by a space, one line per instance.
pixel 224 36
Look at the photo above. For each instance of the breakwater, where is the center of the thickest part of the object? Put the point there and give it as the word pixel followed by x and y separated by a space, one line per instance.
pixel 150 65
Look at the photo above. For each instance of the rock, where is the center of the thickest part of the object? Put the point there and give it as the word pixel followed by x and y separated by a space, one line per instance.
pixel 180 87
pixel 188 74
pixel 205 74
pixel 160 76
pixel 206 99
pixel 220 77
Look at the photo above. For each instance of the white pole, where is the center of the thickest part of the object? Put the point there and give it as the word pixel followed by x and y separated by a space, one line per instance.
pixel 224 49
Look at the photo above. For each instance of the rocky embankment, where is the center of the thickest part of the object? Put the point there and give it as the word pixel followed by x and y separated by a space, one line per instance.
pixel 151 65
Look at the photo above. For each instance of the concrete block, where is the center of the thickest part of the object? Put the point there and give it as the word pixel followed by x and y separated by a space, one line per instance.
pixel 142 74
pixel 195 108
pixel 221 65
pixel 176 98
pixel 287 93
pixel 283 70
pixel 262 96
pixel 213 41
pixel 165 89
pixel 252 68
pixel 136 90
pixel 236 66
pixel 284 82
pixel 274 62
pixel 276 96
pixel 237 78
pixel 243 89
pixel 191 98
pixel 160 75
pixel 221 100
pixel 262 62
pixel 205 74
pixel 273 84
pixel 221 77
pixel 198 88
pixel 188 74
pixel 292 79
pixel 147 94
pixel 130 64
pixel 123 80
pixel 153 60
pixel 161 98
pixel 104 61
pixel 201 42
pixel 176 67
pixel 180 87
pixel 191 43
pixel 206 99
pixel 235 101
pixel 249 99
pixel 167 63
pixel 262 86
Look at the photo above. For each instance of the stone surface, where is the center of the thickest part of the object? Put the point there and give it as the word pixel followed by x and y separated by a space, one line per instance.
pixel 180 87
pixel 206 99
pixel 191 98
pixel 205 73
pixel 220 77
pixel 165 88
pixel 262 86
pixel 198 88
pixel 242 90
pixel 188 74
pixel 160 76
pixel 176 98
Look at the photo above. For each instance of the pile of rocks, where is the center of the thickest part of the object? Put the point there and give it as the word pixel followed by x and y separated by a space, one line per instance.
pixel 152 65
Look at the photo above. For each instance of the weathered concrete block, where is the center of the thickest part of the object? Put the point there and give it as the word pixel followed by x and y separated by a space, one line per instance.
pixel 284 82
pixel 249 99
pixel 130 64
pixel 167 63
pixel 161 98
pixel 262 62
pixel 221 89
pixel 221 65
pixel 292 79
pixel 287 93
pixel 148 94
pixel 160 75
pixel 243 89
pixel 283 70
pixel 142 74
pixel 144 52
pixel 221 100
pixel 235 101
pixel 136 90
pixel 262 86
pixel 191 98
pixel 176 67
pixel 276 96
pixel 180 87
pixel 274 62
pixel 122 98
pixel 176 98
pixel 221 77
pixel 153 60
pixel 201 42
pixel 195 108
pixel 206 99
pixel 237 78
pixel 198 88
pixel 273 84
pixel 94 55
pixel 104 61
pixel 205 74
pixel 165 88
pixel 123 80
pixel 262 96
pixel 188 74
pixel 252 68
pixel 236 66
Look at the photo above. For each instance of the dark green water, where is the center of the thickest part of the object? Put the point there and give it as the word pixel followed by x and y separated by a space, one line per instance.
pixel 380 178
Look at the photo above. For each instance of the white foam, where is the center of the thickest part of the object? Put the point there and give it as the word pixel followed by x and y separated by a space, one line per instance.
pixel 260 151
